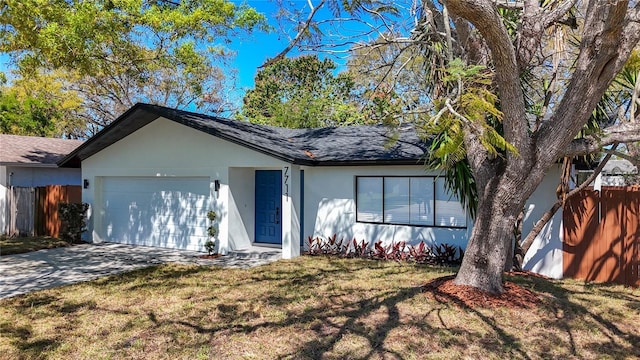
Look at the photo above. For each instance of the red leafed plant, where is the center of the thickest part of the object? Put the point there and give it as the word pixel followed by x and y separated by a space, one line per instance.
pixel 380 252
pixel 421 253
pixel 443 254
pixel 360 249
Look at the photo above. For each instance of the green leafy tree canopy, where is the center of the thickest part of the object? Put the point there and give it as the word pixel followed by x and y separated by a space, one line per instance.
pixel 93 36
pixel 301 92
pixel 117 52
pixel 40 106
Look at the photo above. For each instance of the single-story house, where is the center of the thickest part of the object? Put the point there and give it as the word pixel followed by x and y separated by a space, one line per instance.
pixel 151 176
pixel 30 161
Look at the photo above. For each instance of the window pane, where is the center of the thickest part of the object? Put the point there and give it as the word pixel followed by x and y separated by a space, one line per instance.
pixel 369 199
pixel 421 207
pixel 449 211
pixel 396 200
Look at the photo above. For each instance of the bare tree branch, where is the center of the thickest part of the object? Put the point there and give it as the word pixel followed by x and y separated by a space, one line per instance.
pixel 622 133
pixel 535 20
pixel 554 15
pixel 379 16
pixel 509 4
pixel 447 30
pixel 605 46
pixel 298 37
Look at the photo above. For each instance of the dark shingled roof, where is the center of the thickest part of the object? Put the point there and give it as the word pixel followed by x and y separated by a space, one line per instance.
pixel 350 145
pixel 32 150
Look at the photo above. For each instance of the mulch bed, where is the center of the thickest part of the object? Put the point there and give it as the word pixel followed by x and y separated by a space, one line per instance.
pixel 514 296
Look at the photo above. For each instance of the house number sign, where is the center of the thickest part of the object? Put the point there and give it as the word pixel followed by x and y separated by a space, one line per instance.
pixel 286 182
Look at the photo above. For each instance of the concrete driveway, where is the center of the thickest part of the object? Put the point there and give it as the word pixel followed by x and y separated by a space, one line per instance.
pixel 23 273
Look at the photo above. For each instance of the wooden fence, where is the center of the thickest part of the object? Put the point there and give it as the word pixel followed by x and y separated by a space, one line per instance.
pixel 20 210
pixel 34 211
pixel 602 235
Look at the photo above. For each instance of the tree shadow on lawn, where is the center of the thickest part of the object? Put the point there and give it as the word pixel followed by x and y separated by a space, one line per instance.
pixel 152 277
pixel 351 314
pixel 331 323
pixel 563 311
pixel 171 276
pixel 561 300
pixel 328 331
pixel 22 336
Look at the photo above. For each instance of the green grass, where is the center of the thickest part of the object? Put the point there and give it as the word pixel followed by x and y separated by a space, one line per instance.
pixel 19 245
pixel 311 308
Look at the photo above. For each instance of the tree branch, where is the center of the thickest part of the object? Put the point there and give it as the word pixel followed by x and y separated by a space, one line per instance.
pixel 298 37
pixel 535 20
pixel 607 42
pixel 554 15
pixel 484 16
pixel 380 17
pixel 447 30
pixel 622 133
pixel 544 219
pixel 509 4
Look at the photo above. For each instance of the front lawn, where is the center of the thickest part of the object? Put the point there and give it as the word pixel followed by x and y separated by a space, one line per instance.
pixel 310 308
pixel 19 245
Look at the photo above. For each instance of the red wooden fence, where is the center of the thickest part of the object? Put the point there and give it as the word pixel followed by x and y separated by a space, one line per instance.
pixel 602 235
pixel 47 222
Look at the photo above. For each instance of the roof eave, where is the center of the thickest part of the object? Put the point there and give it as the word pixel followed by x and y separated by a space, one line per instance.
pixel 394 162
pixel 25 164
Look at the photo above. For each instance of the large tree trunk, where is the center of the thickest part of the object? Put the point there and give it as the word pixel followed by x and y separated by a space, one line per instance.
pixel 489 244
pixel 607 38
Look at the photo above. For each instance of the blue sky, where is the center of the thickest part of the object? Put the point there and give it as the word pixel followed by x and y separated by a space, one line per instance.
pixel 254 50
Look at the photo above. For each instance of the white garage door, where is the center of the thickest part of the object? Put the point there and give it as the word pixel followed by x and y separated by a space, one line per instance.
pixel 153 211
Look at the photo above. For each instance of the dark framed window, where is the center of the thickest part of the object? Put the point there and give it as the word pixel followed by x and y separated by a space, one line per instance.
pixel 407 200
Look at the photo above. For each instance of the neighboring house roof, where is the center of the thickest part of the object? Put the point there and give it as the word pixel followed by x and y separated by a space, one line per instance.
pixel 619 167
pixel 34 151
pixel 349 145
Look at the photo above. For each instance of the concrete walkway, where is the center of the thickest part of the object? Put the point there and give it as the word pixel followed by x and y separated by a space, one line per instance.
pixel 22 273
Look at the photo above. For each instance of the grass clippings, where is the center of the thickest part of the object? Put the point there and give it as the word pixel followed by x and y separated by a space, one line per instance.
pixel 313 308
pixel 20 245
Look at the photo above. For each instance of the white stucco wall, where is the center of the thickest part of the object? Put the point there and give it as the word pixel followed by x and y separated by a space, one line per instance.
pixel 242 206
pixel 291 211
pixel 545 255
pixel 166 148
pixel 330 208
pixel 3 200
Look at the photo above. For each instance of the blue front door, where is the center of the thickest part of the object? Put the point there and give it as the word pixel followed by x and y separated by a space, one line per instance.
pixel 268 206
